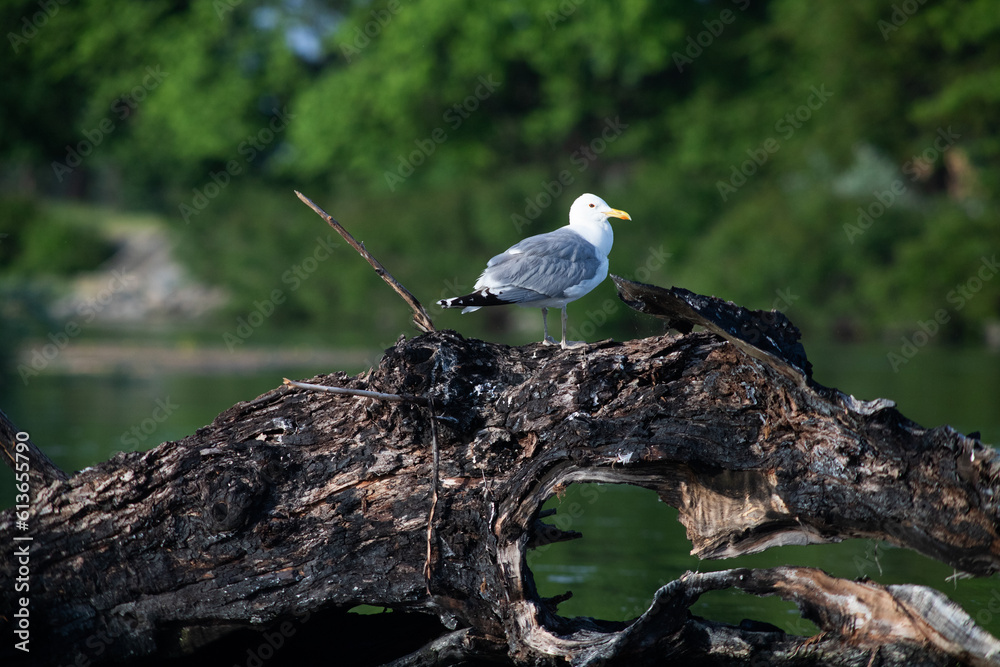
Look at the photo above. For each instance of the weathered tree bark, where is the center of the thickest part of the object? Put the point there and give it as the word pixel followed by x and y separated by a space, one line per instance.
pixel 20 453
pixel 300 504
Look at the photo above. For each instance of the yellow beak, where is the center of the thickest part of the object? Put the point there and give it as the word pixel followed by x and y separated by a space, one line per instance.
pixel 615 213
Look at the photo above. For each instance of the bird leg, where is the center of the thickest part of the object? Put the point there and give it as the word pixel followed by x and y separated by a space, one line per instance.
pixel 546 338
pixel 569 344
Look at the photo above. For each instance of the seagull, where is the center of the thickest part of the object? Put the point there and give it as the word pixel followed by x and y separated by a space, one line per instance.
pixel 549 270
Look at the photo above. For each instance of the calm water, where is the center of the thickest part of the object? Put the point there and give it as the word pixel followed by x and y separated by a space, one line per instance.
pixel 632 543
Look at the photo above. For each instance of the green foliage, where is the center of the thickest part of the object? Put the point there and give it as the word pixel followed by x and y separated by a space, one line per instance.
pixel 747 138
pixel 38 242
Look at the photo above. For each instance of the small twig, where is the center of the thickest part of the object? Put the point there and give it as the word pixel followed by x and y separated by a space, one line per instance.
pixel 434 498
pixel 395 398
pixel 420 317
pixel 956 575
pixel 435 455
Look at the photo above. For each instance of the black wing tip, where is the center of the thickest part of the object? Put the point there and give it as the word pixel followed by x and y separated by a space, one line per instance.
pixel 481 298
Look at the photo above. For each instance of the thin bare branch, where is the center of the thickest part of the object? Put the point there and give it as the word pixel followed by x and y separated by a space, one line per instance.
pixel 420 317
pixel 396 398
pixel 435 465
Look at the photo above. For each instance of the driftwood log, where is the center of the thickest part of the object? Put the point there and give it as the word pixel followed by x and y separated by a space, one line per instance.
pixel 254 536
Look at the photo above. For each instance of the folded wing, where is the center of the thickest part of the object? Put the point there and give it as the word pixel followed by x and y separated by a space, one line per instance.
pixel 540 267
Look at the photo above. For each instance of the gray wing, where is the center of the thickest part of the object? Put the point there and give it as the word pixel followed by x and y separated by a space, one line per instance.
pixel 542 266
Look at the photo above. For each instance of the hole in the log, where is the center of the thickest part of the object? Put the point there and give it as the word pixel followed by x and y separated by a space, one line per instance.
pixel 366 609
pixel 632 544
pixel 623 557
pixel 752 612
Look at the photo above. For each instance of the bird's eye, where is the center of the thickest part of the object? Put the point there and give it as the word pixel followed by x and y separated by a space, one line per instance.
pixel 592 205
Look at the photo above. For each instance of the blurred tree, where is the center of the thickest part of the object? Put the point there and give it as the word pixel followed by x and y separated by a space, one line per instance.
pixel 750 139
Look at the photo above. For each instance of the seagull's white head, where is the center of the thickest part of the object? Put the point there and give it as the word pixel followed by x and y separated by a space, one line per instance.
pixel 592 209
pixel 588 216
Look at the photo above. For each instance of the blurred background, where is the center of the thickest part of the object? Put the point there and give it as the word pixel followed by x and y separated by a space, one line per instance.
pixel 839 162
